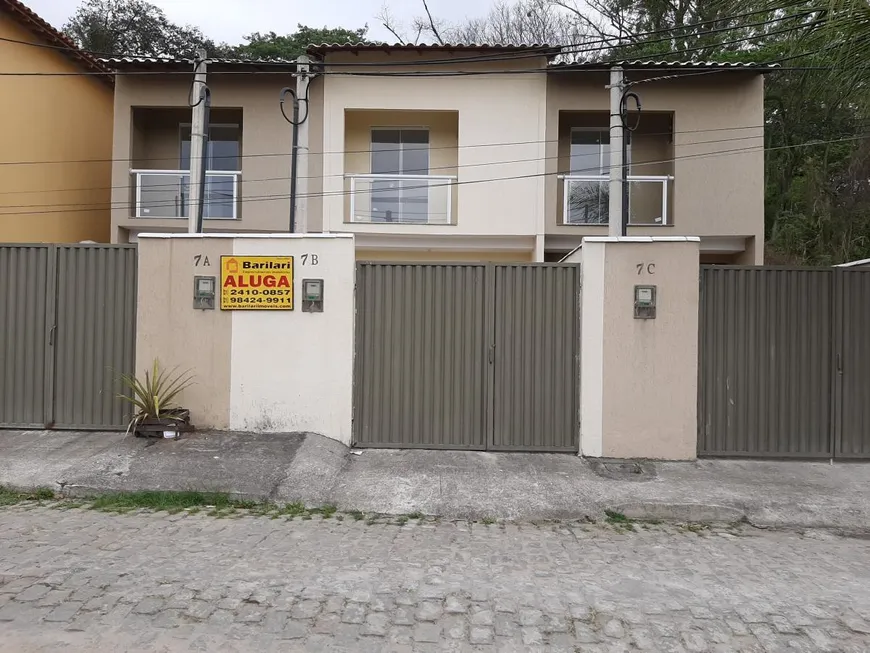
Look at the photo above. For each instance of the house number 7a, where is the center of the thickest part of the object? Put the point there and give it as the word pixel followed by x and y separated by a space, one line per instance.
pixel 649 268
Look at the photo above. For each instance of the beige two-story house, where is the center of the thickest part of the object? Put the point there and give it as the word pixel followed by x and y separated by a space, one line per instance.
pixel 449 153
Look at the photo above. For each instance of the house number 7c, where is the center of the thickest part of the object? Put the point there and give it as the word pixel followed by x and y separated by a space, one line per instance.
pixel 649 268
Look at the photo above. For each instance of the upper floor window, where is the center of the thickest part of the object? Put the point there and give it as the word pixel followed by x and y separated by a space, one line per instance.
pixel 590 152
pixel 223 151
pixel 397 153
pixel 400 151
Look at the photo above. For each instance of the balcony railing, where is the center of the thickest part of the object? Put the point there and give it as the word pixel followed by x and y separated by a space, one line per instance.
pixel 166 193
pixel 586 200
pixel 401 199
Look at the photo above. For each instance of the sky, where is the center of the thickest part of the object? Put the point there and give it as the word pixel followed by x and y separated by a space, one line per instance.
pixel 230 20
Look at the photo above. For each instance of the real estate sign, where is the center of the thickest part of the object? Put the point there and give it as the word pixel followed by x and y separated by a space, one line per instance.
pixel 257 283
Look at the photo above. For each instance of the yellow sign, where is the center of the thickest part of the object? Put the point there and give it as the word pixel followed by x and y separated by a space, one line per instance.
pixel 256 283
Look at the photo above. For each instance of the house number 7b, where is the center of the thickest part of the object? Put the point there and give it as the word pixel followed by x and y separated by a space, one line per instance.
pixel 649 268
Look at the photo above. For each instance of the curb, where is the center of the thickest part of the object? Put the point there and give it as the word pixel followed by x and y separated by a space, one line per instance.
pixel 681 512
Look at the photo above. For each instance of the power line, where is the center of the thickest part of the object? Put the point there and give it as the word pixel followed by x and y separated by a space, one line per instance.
pixel 532 52
pixel 604 65
pixel 474 181
pixel 369 151
pixel 445 167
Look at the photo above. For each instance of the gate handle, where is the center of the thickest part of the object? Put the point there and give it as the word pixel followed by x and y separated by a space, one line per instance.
pixel 51 335
pixel 839 363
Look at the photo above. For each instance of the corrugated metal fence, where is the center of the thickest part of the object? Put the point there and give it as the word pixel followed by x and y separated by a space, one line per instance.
pixel 467 356
pixel 784 362
pixel 67 333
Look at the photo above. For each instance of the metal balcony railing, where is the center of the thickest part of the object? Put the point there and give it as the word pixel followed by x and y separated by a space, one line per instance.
pixel 166 193
pixel 401 199
pixel 586 200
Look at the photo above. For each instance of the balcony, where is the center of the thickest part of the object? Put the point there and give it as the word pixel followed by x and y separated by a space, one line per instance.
pixel 586 200
pixel 166 193
pixel 401 199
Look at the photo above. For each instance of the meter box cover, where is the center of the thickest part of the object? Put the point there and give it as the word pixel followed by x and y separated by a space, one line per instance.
pixel 257 283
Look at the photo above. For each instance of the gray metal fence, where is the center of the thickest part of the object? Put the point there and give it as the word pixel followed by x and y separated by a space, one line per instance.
pixel 784 369
pixel 467 356
pixel 68 315
pixel 852 356
pixel 536 358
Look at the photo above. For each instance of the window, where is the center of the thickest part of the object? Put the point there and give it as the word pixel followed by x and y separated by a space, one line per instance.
pixel 587 199
pixel 397 153
pixel 590 152
pixel 222 153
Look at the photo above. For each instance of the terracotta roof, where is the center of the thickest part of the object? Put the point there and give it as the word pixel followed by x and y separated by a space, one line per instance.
pixel 640 64
pixel 181 63
pixel 30 20
pixel 325 48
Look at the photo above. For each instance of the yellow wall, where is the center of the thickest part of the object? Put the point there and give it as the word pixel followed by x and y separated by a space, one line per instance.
pixel 52 119
pixel 430 256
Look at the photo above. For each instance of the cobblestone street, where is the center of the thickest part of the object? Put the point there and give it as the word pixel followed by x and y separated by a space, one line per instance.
pixel 81 580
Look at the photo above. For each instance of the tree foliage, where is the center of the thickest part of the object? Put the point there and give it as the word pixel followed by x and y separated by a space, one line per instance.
pixel 117 27
pixel 272 46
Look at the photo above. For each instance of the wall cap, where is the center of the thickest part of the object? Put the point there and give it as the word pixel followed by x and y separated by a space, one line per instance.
pixel 641 239
pixel 248 236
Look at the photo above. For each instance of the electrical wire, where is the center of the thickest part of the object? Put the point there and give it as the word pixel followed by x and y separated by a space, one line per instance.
pixel 325 194
pixel 368 151
pixel 446 167
pixel 604 65
pixel 534 50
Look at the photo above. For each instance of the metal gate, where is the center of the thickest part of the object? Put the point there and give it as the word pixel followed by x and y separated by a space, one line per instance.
pixel 467 356
pixel 67 333
pixel 784 369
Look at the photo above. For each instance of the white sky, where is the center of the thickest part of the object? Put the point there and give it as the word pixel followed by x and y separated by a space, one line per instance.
pixel 230 20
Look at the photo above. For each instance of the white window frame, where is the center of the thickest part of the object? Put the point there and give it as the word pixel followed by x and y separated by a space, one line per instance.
pixel 400 175
pixel 183 125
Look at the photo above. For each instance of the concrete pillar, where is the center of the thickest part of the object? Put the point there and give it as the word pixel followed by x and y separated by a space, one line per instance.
pixel 254 370
pixel 638 379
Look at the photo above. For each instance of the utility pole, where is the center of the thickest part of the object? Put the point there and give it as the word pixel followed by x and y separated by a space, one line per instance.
pixel 198 143
pixel 296 121
pixel 303 79
pixel 617 138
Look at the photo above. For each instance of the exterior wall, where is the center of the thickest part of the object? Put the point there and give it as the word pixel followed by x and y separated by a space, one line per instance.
pixel 718 195
pixel 64 202
pixel 639 378
pixel 265 180
pixel 500 134
pixel 443 129
pixel 651 153
pixel 263 371
pixel 170 330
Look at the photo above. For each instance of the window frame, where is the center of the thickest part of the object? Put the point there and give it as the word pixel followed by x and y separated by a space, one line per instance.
pixel 189 126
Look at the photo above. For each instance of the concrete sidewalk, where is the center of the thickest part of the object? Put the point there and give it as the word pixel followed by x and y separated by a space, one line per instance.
pixel 452 484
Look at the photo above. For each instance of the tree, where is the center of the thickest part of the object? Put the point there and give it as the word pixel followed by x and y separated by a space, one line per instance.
pixel 119 27
pixel 272 46
pixel 517 22
pixel 817 199
pixel 527 21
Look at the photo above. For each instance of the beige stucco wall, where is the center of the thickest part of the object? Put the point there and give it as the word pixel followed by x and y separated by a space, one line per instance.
pixel 443 127
pixel 265 181
pixel 255 370
pixel 719 195
pixel 171 330
pixel 500 134
pixel 65 202
pixel 639 377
